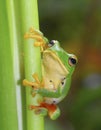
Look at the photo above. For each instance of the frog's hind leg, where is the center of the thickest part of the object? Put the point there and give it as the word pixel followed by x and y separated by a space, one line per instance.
pixel 38 110
pixel 44 108
pixel 53 110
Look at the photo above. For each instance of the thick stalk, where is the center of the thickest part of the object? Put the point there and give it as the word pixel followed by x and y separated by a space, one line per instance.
pixel 15 41
pixel 8 107
pixel 32 58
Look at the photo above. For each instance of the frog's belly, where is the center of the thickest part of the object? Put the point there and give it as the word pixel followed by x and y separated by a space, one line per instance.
pixel 53 100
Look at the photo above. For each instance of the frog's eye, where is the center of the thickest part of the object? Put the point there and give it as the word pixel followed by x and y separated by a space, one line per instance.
pixel 51 43
pixel 72 61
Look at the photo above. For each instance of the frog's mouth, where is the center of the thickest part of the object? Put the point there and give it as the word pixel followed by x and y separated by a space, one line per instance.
pixel 53 63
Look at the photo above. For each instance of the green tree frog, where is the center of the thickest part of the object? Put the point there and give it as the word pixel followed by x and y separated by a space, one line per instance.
pixel 57 69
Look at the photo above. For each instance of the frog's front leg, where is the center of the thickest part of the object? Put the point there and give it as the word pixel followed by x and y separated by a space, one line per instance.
pixel 35 85
pixel 38 36
pixel 38 87
pixel 43 108
pixel 49 93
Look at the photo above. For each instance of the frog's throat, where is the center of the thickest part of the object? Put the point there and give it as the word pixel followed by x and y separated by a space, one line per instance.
pixel 57 58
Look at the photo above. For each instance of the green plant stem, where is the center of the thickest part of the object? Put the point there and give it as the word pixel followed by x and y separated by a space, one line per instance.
pixel 15 47
pixel 32 60
pixel 8 108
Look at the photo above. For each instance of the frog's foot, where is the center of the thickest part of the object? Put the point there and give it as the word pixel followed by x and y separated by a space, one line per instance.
pixel 53 110
pixel 40 83
pixel 35 85
pixel 44 108
pixel 38 36
pixel 28 83
pixel 38 110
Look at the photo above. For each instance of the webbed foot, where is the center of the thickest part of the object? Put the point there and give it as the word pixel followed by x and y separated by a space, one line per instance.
pixel 38 36
pixel 41 111
pixel 44 108
pixel 35 85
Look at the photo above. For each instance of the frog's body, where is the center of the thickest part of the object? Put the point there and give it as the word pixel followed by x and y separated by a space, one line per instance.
pixel 56 76
pixel 57 69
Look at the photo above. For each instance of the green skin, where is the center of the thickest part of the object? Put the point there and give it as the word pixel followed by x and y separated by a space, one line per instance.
pixel 67 65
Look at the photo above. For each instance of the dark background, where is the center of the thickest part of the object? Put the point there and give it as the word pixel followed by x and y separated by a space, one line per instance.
pixel 77 25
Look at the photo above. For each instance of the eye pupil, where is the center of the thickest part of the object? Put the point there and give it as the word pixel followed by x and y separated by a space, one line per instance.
pixel 51 43
pixel 72 61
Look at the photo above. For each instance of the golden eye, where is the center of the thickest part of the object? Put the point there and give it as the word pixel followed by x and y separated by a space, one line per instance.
pixel 72 61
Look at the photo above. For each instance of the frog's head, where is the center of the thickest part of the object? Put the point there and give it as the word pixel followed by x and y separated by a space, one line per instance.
pixel 69 61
